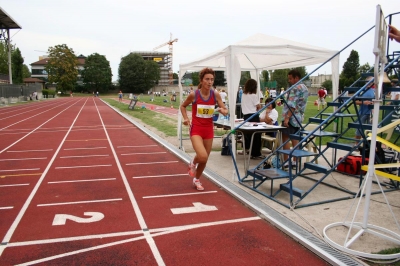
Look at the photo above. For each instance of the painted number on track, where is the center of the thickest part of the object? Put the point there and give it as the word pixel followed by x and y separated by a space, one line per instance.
pixel 197 207
pixel 61 219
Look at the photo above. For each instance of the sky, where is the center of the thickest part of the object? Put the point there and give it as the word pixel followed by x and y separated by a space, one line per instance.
pixel 116 28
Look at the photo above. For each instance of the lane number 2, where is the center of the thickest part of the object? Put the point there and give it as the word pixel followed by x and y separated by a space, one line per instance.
pixel 61 219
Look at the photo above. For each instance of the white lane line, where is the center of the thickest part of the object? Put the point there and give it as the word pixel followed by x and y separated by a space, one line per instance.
pixel 82 180
pixel 20 139
pixel 15 185
pixel 149 176
pixel 6 208
pixel 79 156
pixel 135 153
pixel 135 206
pixel 83 166
pixel 77 202
pixel 28 111
pixel 28 201
pixel 159 232
pixel 5 132
pixel 31 150
pixel 177 195
pixel 23 159
pixel 74 238
pixel 141 146
pixel 12 170
pixel 152 162
pixel 72 149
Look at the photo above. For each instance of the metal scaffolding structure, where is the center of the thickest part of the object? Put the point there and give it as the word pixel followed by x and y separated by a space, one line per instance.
pixel 6 24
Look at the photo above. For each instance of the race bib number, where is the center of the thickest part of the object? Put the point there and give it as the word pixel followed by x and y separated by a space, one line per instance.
pixel 205 111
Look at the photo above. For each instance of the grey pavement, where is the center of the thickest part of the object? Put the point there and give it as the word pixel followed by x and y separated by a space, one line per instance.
pixel 315 218
pixel 305 224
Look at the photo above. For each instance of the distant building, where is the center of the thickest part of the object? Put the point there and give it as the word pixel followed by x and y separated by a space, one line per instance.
pixel 162 60
pixel 316 81
pixel 28 81
pixel 39 71
pixel 4 79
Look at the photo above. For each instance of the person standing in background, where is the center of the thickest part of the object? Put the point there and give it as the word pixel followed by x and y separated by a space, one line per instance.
pixel 223 96
pixel 293 111
pixel 321 98
pixel 364 112
pixel 239 113
pixel 266 94
pixel 250 106
pixel 272 93
pixel 120 96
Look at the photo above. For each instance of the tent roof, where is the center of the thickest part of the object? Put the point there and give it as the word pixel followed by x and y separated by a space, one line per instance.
pixel 264 52
pixel 7 22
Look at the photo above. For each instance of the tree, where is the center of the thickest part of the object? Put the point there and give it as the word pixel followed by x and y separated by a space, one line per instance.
pixel 4 57
pixel 281 77
pixel 195 78
pixel 97 74
pixel 303 72
pixel 219 78
pixel 364 68
pixel 151 74
pixel 175 76
pixel 17 63
pixel 245 75
pixel 350 69
pixel 26 73
pixel 137 75
pixel 327 84
pixel 265 75
pixel 62 67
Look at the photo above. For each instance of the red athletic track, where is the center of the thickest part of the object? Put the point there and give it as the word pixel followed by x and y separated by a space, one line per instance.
pixel 130 219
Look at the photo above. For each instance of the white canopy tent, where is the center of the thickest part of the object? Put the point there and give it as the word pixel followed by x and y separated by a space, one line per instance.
pixel 255 54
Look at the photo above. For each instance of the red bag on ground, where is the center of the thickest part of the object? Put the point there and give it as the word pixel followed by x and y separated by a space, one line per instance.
pixel 351 165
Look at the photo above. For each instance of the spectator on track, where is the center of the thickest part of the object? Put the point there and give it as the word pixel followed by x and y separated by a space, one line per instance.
pixel 120 96
pixel 203 102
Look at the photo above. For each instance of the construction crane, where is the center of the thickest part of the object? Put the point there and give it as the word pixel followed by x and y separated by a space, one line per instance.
pixel 170 57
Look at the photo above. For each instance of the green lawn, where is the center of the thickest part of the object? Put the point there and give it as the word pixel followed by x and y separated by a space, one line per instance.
pixel 169 127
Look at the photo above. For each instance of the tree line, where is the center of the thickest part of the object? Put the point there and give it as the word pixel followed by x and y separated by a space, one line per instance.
pixel 137 75
pixel 19 69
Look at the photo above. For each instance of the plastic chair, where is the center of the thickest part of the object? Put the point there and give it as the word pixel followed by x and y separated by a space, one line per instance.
pixel 273 140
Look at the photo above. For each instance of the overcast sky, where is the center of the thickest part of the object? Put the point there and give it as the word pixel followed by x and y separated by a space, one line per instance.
pixel 116 28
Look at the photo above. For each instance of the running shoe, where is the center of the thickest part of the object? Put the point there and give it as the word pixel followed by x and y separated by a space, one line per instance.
pixel 197 184
pixel 192 169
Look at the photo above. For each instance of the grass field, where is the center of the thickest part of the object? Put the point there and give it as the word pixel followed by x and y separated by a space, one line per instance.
pixel 169 128
pixel 147 115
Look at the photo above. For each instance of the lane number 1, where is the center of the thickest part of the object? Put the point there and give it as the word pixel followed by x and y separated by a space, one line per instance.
pixel 197 207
